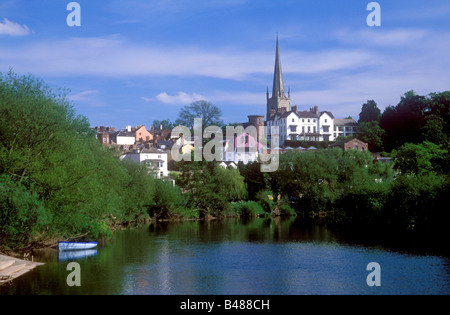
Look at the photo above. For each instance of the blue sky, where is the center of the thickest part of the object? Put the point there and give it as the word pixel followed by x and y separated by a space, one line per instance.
pixel 132 62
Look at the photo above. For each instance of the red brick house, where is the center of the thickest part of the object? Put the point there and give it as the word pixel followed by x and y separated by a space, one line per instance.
pixel 351 144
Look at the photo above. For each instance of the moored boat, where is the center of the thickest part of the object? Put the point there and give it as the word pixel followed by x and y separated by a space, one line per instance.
pixel 76 245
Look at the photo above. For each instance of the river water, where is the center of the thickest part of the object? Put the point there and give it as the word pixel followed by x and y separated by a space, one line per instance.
pixel 236 257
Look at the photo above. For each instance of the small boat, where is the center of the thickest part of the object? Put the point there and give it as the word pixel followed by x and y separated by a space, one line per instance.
pixel 76 245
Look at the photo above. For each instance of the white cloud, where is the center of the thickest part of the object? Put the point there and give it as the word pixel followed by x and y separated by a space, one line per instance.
pixel 181 98
pixel 147 99
pixel 82 96
pixel 13 29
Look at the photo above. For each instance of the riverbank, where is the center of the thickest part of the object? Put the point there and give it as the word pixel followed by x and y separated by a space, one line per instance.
pixel 12 267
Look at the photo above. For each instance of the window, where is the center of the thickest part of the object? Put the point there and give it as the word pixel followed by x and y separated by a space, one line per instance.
pixel 308 120
pixel 325 120
pixel 159 156
pixel 326 129
pixel 309 129
pixel 293 128
pixel 303 129
pixel 303 120
pixel 292 119
pixel 314 129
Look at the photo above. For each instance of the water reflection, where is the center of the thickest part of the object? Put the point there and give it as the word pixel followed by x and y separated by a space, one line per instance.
pixel 76 254
pixel 261 256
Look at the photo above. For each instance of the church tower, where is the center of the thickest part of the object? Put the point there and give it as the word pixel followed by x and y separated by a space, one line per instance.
pixel 278 101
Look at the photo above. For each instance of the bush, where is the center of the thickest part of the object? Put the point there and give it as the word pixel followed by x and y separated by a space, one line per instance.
pixel 286 209
pixel 266 203
pixel 22 214
pixel 247 209
pixel 168 201
pixel 418 202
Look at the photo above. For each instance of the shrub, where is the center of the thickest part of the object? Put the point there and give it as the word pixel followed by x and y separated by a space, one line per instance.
pixel 248 209
pixel 22 214
pixel 266 203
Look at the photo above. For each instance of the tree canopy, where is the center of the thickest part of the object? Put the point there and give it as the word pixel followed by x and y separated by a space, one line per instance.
pixel 209 114
pixel 369 112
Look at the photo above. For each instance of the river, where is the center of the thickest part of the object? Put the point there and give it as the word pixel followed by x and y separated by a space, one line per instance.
pixel 237 257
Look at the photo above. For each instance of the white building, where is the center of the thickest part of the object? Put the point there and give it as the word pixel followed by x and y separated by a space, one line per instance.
pixel 345 127
pixel 152 158
pixel 125 137
pixel 309 125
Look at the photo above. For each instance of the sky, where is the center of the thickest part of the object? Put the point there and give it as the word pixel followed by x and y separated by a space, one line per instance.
pixel 132 62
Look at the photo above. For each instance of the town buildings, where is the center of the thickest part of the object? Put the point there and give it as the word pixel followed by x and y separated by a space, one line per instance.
pixel 294 124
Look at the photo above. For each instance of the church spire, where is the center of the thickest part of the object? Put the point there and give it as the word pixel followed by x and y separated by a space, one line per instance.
pixel 278 87
pixel 278 102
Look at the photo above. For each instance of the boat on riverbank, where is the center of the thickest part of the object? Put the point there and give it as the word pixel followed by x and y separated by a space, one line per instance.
pixel 76 245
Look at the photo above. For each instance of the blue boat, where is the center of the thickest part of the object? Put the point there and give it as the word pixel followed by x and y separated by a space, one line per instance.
pixel 76 245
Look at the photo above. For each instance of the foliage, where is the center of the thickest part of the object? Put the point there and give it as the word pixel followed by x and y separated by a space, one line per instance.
pixel 57 168
pixel 371 133
pixel 267 203
pixel 22 215
pixel 417 118
pixel 420 158
pixel 164 124
pixel 210 187
pixel 168 201
pixel 248 209
pixel 369 112
pixel 209 113
pixel 255 180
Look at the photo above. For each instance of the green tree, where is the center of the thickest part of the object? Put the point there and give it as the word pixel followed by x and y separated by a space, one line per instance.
pixel 371 133
pixel 55 160
pixel 211 188
pixel 164 124
pixel 420 158
pixel 403 122
pixel 22 214
pixel 209 113
pixel 369 112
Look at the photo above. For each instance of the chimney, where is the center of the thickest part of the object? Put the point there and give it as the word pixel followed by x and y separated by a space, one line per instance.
pixel 102 128
pixel 316 110
pixel 129 128
pixel 294 108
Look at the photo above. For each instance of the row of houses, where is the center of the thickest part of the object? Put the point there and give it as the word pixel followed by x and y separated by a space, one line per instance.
pixel 153 148
pixel 129 137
